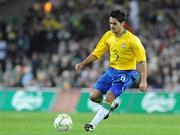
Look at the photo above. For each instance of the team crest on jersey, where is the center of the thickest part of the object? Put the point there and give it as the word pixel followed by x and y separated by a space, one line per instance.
pixel 123 45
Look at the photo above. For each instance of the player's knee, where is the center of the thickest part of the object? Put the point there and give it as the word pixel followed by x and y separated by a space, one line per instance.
pixel 93 98
pixel 96 97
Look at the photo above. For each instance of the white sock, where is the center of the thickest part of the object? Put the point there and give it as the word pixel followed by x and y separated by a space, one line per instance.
pixel 116 101
pixel 102 112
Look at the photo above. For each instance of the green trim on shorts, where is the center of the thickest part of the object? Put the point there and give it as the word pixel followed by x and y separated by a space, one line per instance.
pixel 106 105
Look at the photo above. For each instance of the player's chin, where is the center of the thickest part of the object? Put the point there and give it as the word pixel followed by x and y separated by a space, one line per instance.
pixel 113 30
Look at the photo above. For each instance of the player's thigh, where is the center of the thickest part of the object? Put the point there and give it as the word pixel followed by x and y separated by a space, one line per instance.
pixel 118 87
pixel 104 83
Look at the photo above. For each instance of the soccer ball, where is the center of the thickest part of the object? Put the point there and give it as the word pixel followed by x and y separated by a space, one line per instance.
pixel 63 122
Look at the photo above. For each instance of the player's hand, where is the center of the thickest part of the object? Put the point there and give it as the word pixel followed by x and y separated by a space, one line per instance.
pixel 143 86
pixel 79 67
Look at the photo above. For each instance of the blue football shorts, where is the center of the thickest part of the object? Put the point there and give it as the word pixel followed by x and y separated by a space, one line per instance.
pixel 116 81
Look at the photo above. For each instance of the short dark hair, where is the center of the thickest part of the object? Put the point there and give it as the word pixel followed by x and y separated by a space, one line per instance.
pixel 119 15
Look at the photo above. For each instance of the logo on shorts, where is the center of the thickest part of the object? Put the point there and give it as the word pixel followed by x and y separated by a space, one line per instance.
pixel 123 45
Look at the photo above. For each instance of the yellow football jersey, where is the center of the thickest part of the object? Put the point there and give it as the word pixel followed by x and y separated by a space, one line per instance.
pixel 125 51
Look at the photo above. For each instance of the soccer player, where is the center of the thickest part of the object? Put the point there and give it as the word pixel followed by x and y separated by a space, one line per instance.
pixel 125 51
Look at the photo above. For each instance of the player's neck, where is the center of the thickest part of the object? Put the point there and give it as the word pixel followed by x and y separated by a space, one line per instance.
pixel 120 33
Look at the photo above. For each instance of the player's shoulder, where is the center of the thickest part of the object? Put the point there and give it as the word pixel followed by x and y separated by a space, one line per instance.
pixel 132 36
pixel 108 33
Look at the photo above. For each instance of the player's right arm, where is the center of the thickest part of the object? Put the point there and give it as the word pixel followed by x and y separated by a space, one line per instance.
pixel 89 59
pixel 97 53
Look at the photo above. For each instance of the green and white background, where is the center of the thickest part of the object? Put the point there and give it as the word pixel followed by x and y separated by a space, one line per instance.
pixel 20 100
pixel 29 112
pixel 45 100
pixel 138 102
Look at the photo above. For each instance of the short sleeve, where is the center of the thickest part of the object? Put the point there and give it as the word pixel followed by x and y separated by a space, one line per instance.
pixel 102 46
pixel 138 49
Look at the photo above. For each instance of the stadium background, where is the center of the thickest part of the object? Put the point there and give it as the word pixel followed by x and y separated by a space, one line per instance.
pixel 41 41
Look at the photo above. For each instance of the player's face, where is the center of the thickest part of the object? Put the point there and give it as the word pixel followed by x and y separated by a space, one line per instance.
pixel 115 25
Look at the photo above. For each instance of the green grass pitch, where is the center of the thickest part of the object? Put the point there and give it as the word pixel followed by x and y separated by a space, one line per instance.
pixel 41 123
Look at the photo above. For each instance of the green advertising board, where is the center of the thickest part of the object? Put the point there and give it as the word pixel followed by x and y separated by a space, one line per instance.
pixel 21 100
pixel 137 102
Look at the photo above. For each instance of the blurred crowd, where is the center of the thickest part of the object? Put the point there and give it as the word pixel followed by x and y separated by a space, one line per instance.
pixel 40 48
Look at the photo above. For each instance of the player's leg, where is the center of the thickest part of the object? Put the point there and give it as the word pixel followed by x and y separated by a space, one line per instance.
pixel 119 85
pixel 114 105
pixel 105 108
pixel 96 96
pixel 102 85
pixel 116 90
pixel 102 112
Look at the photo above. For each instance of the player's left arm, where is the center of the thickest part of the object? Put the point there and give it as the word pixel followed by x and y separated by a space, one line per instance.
pixel 143 71
pixel 140 54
